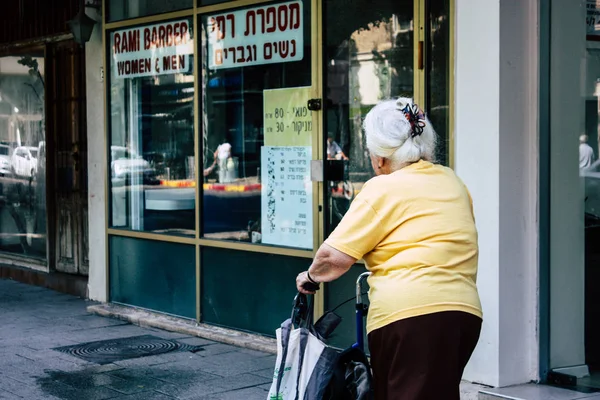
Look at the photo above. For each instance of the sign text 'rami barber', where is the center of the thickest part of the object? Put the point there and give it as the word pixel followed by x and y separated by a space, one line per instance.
pixel 152 50
pixel 261 35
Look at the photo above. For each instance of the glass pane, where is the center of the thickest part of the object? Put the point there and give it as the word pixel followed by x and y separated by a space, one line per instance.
pixel 145 274
pixel 369 57
pixel 22 155
pixel 574 192
pixel 152 165
pixel 438 74
pixel 255 299
pixel 119 9
pixel 257 130
pixel 589 169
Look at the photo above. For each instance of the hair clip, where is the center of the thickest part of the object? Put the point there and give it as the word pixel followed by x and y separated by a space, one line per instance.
pixel 415 117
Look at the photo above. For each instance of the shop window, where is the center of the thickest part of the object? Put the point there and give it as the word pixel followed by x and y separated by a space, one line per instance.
pixel 256 128
pixel 22 155
pixel 119 9
pixel 152 164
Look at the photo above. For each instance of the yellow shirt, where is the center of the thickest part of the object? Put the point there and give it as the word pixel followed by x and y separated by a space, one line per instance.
pixel 415 230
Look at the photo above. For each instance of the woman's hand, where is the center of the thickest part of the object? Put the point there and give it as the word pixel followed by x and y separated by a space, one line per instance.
pixel 304 285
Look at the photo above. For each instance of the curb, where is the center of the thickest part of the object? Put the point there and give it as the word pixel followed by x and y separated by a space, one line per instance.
pixel 149 319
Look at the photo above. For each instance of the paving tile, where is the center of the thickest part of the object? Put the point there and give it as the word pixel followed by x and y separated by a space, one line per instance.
pixel 190 391
pixel 241 381
pixel 84 380
pixel 242 362
pixel 8 396
pixel 217 349
pixel 145 396
pixel 169 335
pixel 180 374
pixel 137 385
pixel 265 373
pixel 104 368
pixel 245 394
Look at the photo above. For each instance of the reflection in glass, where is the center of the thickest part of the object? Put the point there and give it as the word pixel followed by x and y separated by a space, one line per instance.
pixel 438 74
pixel 369 57
pixel 119 9
pixel 22 160
pixel 233 127
pixel 152 166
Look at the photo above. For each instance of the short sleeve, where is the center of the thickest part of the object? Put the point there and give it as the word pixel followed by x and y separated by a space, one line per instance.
pixel 359 232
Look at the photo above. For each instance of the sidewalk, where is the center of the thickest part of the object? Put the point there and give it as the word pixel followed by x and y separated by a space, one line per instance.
pixel 35 321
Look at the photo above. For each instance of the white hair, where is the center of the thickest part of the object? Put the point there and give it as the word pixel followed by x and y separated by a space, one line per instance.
pixel 389 134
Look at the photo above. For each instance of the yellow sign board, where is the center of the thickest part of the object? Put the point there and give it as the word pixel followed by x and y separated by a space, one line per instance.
pixel 287 119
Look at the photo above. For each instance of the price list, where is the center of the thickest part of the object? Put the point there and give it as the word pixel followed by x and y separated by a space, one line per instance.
pixel 286 196
pixel 287 119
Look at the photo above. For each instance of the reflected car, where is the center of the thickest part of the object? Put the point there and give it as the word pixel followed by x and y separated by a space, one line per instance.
pixel 24 161
pixel 126 164
pixel 4 160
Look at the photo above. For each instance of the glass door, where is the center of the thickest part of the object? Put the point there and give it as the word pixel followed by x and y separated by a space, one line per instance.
pixel 372 51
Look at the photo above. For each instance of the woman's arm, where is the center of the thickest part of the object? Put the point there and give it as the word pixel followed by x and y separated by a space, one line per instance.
pixel 328 265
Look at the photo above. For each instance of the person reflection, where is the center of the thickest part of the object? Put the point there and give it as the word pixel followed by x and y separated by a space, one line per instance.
pixel 586 153
pixel 334 151
pixel 223 156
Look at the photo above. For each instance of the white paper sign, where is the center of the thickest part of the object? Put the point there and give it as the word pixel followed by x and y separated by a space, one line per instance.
pixel 152 50
pixel 286 201
pixel 260 35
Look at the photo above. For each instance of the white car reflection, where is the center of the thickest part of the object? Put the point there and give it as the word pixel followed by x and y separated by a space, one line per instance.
pixel 4 160
pixel 126 164
pixel 24 161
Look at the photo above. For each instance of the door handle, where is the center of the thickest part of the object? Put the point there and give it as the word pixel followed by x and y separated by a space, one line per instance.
pixel 314 104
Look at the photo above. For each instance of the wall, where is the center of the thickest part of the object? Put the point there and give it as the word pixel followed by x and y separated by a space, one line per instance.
pixel 477 159
pixel 97 284
pixel 496 147
pixel 519 138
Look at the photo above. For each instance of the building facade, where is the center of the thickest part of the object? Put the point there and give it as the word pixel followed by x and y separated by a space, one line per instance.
pixel 224 143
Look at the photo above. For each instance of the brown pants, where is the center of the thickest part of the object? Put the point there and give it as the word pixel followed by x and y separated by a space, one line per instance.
pixel 423 358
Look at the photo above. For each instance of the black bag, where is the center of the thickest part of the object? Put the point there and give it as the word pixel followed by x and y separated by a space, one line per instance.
pixel 351 378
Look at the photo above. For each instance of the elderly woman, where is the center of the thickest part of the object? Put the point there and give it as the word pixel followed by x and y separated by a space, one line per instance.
pixel 413 225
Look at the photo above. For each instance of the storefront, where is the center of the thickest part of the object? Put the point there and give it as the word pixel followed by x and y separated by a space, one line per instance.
pixel 234 146
pixel 220 116
pixel 43 150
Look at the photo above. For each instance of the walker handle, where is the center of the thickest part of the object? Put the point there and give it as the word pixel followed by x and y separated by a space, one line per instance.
pixel 359 282
pixel 311 287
